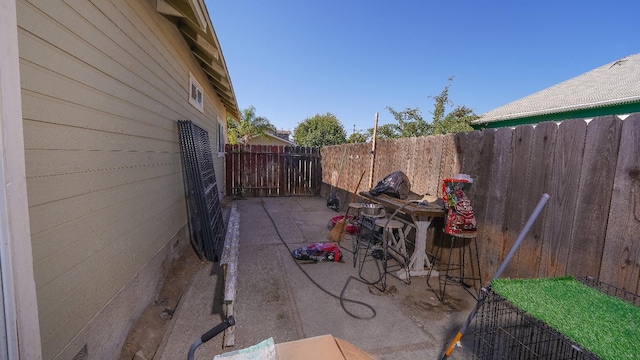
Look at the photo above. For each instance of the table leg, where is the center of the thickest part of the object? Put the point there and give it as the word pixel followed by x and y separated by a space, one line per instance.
pixel 419 258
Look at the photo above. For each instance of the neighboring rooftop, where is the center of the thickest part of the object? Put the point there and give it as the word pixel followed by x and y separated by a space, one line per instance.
pixel 284 134
pixel 271 138
pixel 613 88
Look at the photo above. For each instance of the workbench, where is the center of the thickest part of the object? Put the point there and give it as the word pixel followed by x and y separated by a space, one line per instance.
pixel 421 215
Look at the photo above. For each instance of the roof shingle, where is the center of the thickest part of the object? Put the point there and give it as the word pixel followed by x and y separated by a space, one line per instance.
pixel 615 83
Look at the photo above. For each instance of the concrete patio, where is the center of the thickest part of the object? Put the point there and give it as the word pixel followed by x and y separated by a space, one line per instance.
pixel 276 299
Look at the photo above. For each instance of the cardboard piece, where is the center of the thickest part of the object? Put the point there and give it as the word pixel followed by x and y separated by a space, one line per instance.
pixel 324 347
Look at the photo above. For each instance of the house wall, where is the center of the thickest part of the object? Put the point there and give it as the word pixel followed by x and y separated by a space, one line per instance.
pixel 19 333
pixel 262 140
pixel 103 84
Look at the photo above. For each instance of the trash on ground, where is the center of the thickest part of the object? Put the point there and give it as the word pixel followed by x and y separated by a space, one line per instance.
pixel 265 350
pixel 322 251
pixel 349 228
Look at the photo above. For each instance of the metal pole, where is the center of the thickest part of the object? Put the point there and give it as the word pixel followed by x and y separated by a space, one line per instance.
pixel 373 151
pixel 504 264
pixel 522 234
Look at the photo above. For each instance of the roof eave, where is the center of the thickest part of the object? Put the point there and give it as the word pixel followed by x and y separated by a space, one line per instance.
pixel 617 109
pixel 192 19
pixel 558 110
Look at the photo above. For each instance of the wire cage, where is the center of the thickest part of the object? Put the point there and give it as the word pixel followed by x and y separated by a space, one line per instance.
pixel 503 331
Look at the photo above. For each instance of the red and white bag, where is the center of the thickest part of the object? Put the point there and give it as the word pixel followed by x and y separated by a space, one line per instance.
pixel 459 218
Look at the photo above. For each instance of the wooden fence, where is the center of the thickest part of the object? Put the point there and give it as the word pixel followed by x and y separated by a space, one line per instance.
pixel 271 170
pixel 591 170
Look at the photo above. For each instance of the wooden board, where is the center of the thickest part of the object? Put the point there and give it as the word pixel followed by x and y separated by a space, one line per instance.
pixel 477 162
pixel 477 145
pixel 515 192
pixel 491 225
pixel 621 256
pixel 386 153
pixel 449 160
pixel 538 183
pixel 594 196
pixel 420 169
pixel 409 148
pixel 408 208
pixel 563 192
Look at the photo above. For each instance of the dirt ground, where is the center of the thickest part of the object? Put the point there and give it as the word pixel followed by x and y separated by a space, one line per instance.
pixel 146 334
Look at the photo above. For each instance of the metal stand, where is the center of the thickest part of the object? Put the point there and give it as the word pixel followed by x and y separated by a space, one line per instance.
pixel 454 270
pixel 394 246
pixel 352 208
pixel 368 243
pixel 383 240
pixel 366 229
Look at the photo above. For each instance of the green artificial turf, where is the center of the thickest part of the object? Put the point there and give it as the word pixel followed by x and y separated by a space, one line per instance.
pixel 600 323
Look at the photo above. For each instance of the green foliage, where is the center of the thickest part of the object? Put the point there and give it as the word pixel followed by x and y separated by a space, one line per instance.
pixel 386 131
pixel 410 123
pixel 320 130
pixel 248 126
pixel 232 130
pixel 358 137
pixel 458 120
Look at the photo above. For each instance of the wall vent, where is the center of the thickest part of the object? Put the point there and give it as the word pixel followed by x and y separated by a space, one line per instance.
pixel 196 96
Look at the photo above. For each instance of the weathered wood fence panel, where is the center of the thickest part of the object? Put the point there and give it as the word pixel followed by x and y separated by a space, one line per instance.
pixel 538 182
pixel 590 226
pixel 450 159
pixel 491 227
pixel 561 207
pixel 270 170
pixel 303 168
pixel 594 196
pixel 621 257
pixel 516 193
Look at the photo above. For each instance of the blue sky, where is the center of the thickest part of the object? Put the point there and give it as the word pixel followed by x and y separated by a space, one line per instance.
pixel 294 59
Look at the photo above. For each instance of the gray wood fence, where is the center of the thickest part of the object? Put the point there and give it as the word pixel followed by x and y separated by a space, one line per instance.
pixel 591 170
pixel 272 170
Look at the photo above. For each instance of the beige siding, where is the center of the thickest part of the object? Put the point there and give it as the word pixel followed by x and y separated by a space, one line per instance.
pixel 19 323
pixel 103 84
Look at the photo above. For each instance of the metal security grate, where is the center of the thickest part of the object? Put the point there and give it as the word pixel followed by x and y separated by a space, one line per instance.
pixel 205 212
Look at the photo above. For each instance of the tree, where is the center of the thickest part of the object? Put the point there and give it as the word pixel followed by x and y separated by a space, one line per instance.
pixel 320 130
pixel 249 125
pixel 410 122
pixel 385 131
pixel 358 137
pixel 458 120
